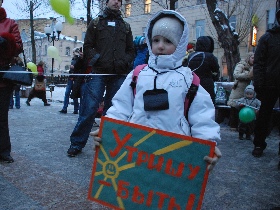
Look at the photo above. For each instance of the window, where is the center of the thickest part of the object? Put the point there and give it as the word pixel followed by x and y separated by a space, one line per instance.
pixel 83 36
pixel 271 18
pixel 232 21
pixel 127 10
pixel 200 2
pixel 199 28
pixel 67 52
pixel 147 6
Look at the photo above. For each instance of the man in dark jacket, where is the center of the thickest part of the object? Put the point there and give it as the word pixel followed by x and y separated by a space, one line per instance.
pixel 267 82
pixel 10 46
pixel 108 49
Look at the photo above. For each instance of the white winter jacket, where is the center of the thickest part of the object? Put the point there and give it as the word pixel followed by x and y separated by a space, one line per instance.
pixel 176 80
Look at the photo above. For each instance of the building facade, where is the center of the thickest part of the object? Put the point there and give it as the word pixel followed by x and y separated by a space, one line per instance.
pixel 138 12
pixel 65 44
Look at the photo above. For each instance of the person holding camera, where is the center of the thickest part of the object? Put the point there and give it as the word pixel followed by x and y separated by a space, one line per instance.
pixel 70 82
pixel 10 46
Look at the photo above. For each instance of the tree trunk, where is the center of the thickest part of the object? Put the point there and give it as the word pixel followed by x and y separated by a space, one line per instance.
pixel 32 33
pixel 226 36
pixel 88 12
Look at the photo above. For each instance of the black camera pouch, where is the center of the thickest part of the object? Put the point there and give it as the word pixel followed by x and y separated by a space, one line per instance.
pixel 156 99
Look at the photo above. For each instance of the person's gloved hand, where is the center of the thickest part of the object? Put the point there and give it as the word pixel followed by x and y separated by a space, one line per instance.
pixel 3 42
pixel 96 139
pixel 213 161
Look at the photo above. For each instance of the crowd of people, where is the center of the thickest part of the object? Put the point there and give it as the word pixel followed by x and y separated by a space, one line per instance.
pixel 171 62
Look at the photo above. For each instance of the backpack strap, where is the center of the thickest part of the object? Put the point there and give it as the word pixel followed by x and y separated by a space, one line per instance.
pixel 135 74
pixel 191 93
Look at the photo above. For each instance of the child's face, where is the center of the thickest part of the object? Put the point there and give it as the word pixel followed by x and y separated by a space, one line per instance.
pixel 249 95
pixel 162 46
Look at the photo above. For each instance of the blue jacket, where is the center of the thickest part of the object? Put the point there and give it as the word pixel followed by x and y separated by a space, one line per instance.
pixel 141 56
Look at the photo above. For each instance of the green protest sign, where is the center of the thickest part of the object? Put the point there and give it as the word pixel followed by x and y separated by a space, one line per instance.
pixel 138 167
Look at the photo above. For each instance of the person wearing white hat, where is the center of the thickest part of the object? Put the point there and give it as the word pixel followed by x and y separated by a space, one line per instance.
pixel 165 79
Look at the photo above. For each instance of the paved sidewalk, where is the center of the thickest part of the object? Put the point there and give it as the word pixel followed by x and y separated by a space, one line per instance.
pixel 44 177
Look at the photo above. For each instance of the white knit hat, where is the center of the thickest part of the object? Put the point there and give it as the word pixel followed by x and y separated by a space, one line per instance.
pixel 169 27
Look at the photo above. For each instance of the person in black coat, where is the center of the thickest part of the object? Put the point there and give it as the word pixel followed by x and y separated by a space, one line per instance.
pixel 204 64
pixel 266 77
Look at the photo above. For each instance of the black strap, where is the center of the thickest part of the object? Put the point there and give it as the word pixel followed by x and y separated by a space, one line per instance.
pixel 190 95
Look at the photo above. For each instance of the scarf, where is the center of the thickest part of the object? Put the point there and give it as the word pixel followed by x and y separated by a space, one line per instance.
pixel 112 14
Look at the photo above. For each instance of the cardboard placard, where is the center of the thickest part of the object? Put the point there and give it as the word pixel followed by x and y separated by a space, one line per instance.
pixel 138 167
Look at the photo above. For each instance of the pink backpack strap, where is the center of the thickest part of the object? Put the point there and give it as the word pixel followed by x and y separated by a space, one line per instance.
pixel 135 74
pixel 196 80
pixel 191 93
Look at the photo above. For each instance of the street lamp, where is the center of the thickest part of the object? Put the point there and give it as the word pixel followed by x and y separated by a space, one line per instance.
pixel 53 35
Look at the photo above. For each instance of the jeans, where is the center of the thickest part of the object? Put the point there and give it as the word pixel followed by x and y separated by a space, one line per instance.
pixel 82 91
pixel 67 95
pixel 93 92
pixel 268 99
pixel 5 143
pixel 17 100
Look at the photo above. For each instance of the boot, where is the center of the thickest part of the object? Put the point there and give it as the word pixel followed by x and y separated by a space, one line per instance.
pixel 241 136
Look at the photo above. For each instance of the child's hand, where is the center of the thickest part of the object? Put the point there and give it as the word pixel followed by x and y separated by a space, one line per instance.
pixel 96 139
pixel 213 161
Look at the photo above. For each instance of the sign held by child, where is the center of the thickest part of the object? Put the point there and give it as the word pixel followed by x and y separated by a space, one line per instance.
pixel 138 167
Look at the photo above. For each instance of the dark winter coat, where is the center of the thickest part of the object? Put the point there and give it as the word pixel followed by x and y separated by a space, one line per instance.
pixel 79 68
pixel 78 63
pixel 207 69
pixel 114 44
pixel 266 61
pixel 10 43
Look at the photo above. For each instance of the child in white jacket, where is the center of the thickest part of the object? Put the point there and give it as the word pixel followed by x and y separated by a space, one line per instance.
pixel 167 38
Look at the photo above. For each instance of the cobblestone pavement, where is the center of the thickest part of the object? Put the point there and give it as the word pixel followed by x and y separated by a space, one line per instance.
pixel 44 177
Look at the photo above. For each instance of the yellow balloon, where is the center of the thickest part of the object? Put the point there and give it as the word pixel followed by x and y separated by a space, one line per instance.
pixel 62 7
pixel 53 53
pixel 32 67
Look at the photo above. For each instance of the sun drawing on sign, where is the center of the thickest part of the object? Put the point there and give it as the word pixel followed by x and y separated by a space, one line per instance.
pixel 111 169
